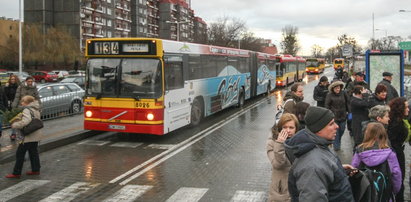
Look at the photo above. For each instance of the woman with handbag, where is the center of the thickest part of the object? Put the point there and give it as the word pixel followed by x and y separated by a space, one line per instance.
pixel 29 142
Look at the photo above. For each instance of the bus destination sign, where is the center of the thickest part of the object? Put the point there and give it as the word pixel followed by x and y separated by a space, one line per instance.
pixel 135 48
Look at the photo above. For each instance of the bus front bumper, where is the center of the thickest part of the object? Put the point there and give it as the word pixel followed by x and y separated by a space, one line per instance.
pixel 125 128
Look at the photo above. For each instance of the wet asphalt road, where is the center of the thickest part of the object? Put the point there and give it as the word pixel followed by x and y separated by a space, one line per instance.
pixel 223 159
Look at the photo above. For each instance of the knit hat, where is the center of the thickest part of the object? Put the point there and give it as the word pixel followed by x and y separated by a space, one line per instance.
pixel 316 118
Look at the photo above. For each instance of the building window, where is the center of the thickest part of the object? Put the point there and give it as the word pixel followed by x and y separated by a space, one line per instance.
pixel 11 36
pixel 109 11
pixel 109 34
pixel 108 1
pixel 109 23
pixel 11 27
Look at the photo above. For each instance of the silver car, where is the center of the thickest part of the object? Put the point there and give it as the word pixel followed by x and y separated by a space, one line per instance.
pixel 59 99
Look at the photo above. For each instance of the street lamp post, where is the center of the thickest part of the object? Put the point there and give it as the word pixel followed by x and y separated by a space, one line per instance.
pixel 20 41
pixel 178 26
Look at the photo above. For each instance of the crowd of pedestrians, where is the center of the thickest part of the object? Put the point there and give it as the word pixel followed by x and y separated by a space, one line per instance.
pixel 379 124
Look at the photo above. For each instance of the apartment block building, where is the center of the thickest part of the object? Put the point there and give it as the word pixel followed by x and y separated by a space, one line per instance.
pixel 84 19
pixel 9 29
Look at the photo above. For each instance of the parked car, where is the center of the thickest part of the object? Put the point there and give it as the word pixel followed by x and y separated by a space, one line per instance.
pixel 79 80
pixel 21 76
pixel 44 76
pixel 61 73
pixel 77 73
pixel 4 78
pixel 58 98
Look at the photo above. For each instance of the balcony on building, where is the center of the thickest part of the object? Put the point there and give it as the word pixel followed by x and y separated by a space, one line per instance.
pixel 87 6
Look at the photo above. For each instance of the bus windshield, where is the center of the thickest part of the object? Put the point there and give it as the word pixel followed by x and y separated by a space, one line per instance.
pixel 128 77
pixel 338 61
pixel 312 63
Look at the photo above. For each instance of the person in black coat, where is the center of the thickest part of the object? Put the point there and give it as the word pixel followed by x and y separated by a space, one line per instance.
pixel 320 91
pixel 379 97
pixel 3 107
pixel 391 91
pixel 397 133
pixel 11 88
pixel 338 102
pixel 359 110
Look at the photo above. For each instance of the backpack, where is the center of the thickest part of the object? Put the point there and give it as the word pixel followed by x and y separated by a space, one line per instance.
pixel 372 183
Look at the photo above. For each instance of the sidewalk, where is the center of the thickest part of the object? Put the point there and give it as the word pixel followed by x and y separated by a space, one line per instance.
pixel 58 132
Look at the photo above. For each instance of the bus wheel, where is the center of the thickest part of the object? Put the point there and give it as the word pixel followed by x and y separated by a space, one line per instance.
pixel 241 99
pixel 196 112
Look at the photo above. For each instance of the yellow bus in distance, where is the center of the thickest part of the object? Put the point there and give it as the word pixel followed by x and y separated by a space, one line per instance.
pixel 315 65
pixel 338 63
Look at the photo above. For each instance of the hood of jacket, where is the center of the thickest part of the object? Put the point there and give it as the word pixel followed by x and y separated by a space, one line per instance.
pixel 35 105
pixel 303 142
pixel 24 85
pixel 335 84
pixel 374 157
pixel 291 95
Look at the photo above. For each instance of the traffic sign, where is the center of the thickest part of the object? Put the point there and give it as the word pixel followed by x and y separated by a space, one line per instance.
pixel 405 45
pixel 347 50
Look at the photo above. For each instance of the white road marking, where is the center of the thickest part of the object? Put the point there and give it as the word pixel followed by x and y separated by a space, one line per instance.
pixel 21 188
pixel 71 192
pixel 248 196
pixel 181 146
pixel 128 193
pixel 94 142
pixel 187 194
pixel 126 144
pixel 161 146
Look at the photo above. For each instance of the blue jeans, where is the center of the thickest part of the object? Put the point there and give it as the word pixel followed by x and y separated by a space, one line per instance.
pixel 340 132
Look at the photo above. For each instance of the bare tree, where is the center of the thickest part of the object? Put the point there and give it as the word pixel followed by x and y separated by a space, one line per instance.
pixel 250 42
pixel 332 53
pixel 344 39
pixel 225 31
pixel 289 43
pixel 385 43
pixel 316 50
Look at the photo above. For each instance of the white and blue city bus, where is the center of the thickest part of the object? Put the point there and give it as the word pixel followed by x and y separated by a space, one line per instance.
pixel 155 86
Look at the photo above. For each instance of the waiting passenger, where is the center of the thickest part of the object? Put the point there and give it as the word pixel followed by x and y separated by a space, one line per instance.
pixel 320 91
pixel 285 128
pixel 317 173
pixel 359 110
pixel 300 110
pixel 379 97
pixel 391 91
pixel 292 97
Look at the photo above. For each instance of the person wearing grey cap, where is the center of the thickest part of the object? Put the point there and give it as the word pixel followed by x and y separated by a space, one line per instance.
pixel 391 91
pixel 317 173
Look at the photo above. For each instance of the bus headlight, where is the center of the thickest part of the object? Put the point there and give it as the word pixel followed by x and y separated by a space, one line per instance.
pixel 150 116
pixel 89 114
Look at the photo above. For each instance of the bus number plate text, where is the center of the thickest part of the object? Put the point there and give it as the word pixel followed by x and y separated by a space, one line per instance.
pixel 143 105
pixel 117 127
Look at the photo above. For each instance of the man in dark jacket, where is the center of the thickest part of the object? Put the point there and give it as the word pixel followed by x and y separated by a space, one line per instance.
pixel 292 97
pixel 359 80
pixel 320 91
pixel 26 88
pixel 391 91
pixel 316 173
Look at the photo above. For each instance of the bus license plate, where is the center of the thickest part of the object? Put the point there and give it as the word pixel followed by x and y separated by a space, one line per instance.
pixel 117 127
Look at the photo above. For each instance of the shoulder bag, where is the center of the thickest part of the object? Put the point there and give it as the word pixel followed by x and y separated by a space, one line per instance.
pixel 35 124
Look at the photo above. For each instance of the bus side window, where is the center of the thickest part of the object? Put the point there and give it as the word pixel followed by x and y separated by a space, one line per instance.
pixel 173 73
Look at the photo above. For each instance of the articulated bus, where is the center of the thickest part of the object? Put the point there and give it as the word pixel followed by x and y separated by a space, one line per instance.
pixel 289 69
pixel 338 63
pixel 315 65
pixel 155 86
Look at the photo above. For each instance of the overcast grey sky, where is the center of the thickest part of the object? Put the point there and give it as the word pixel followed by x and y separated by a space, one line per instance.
pixel 319 21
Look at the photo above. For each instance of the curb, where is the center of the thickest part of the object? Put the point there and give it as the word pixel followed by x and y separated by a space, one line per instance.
pixel 50 144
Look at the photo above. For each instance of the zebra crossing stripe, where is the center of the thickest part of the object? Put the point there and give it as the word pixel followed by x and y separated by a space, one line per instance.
pixel 71 192
pixel 21 188
pixel 128 193
pixel 248 196
pixel 187 194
